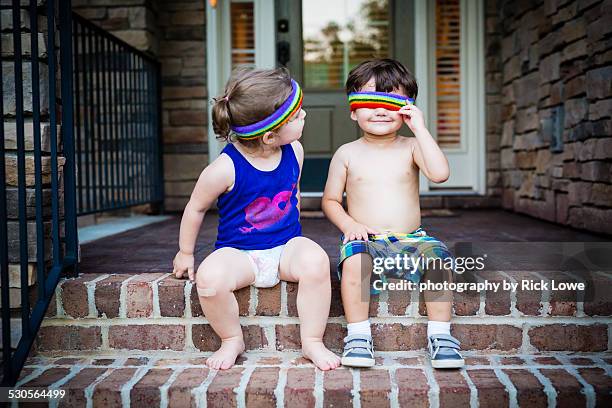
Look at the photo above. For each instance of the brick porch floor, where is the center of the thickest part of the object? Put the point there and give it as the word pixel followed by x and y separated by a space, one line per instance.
pixel 151 248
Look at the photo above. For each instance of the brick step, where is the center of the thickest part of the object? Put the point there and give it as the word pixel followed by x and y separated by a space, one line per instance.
pixel 285 379
pixel 155 311
pixel 162 295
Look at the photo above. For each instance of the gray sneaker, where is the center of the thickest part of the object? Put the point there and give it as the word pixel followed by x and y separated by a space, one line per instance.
pixel 444 351
pixel 358 351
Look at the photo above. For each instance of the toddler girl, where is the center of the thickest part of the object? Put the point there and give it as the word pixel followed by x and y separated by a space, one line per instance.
pixel 256 182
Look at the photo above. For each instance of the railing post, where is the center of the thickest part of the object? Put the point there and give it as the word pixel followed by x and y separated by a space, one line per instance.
pixel 66 76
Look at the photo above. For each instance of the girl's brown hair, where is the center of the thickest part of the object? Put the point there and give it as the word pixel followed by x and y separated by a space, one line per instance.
pixel 250 96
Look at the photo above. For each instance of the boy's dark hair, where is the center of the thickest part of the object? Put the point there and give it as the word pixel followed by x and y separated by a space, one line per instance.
pixel 389 74
pixel 250 96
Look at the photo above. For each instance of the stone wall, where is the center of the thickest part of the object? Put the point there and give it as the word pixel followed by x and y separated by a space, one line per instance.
pixel 182 25
pixel 556 99
pixel 134 21
pixel 173 31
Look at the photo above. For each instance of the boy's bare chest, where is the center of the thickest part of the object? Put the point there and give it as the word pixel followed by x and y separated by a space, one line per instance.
pixel 382 168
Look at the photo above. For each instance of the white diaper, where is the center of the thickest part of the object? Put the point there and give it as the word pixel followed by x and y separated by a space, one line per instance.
pixel 265 265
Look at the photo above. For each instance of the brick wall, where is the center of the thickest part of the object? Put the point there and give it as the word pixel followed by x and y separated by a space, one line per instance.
pixel 555 144
pixel 173 31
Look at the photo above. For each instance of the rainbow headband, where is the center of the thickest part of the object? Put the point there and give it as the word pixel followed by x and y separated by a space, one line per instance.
pixel 373 100
pixel 274 121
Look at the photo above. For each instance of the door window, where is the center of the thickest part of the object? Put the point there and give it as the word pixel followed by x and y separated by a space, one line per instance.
pixel 243 34
pixel 338 35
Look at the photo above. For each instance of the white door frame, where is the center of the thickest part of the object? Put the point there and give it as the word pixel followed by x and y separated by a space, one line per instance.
pixel 218 52
pixel 473 129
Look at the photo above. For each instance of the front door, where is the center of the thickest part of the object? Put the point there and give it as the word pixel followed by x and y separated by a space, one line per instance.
pixel 320 41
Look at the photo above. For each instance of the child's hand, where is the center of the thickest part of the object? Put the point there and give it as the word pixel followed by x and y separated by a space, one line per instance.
pixel 355 231
pixel 183 262
pixel 413 117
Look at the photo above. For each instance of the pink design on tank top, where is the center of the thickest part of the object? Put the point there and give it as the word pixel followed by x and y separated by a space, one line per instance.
pixel 263 212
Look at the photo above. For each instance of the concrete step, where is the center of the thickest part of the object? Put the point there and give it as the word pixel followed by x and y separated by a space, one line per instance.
pixel 155 311
pixel 167 379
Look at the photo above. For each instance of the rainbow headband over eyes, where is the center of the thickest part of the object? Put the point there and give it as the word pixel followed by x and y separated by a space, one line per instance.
pixel 373 100
pixel 292 105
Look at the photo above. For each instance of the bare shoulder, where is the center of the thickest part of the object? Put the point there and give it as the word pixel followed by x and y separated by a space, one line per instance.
pixel 298 150
pixel 407 142
pixel 221 170
pixel 346 150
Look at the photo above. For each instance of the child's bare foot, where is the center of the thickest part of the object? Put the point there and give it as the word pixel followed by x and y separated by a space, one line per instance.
pixel 320 356
pixel 225 357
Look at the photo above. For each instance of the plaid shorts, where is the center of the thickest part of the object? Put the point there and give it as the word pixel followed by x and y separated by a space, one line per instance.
pixel 418 247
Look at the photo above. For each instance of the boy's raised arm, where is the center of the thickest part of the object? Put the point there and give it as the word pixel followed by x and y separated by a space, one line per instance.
pixel 426 152
pixel 213 181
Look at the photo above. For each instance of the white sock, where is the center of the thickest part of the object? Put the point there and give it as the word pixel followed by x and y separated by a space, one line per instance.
pixel 359 328
pixel 434 327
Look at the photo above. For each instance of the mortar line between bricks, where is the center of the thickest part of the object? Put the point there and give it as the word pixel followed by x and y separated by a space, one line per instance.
pixel 412 309
pixel 240 390
pixel 482 298
pixel 252 360
pixel 91 295
pixel 123 297
pixel 201 390
pixel 59 294
pixel 382 308
pixel 127 387
pixel 473 389
pixel 508 385
pixel 549 389
pixel 514 312
pixel 34 374
pixel 356 390
pixel 155 291
pixel 579 294
pixel 602 364
pixel 534 321
pixel 394 393
pixel 545 297
pixel 74 370
pixel 526 345
pixel 89 390
pixel 434 389
pixel 189 346
pixel 163 390
pixel 283 302
pixel 318 389
pixel 253 300
pixel 310 365
pixel 187 294
pixel 105 345
pixel 279 391
pixel 589 391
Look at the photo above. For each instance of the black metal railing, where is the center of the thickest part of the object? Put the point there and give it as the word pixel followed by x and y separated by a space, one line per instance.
pixel 44 238
pixel 117 122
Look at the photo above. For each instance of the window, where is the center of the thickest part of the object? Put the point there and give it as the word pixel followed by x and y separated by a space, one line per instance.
pixel 243 34
pixel 338 35
pixel 448 72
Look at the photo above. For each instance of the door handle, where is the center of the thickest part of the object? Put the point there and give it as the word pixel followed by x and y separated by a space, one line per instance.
pixel 283 51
